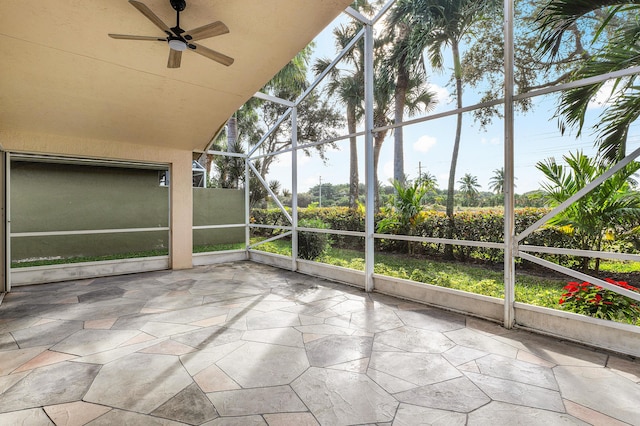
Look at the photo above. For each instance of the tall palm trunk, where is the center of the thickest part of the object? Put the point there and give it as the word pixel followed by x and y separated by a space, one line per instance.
pixel 232 140
pixel 353 156
pixel 377 147
pixel 400 96
pixel 448 249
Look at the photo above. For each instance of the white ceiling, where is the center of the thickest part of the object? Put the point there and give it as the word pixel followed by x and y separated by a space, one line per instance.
pixel 62 75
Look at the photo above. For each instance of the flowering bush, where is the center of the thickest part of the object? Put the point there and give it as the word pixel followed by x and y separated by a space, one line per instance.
pixel 588 299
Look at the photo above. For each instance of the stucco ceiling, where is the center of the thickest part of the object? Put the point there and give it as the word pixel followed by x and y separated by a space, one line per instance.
pixel 62 75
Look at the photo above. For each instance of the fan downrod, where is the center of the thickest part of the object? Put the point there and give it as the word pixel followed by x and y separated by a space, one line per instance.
pixel 178 5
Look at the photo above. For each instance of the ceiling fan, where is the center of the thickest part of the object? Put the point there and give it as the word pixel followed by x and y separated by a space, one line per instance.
pixel 180 40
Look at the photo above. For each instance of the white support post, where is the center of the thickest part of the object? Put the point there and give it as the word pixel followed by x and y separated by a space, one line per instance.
pixel 294 188
pixel 510 241
pixel 369 255
pixel 7 223
pixel 247 201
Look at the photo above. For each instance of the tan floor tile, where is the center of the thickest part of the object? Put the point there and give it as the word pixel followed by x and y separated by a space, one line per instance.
pixel 45 358
pixel 213 379
pixel 590 416
pixel 75 413
pixel 102 324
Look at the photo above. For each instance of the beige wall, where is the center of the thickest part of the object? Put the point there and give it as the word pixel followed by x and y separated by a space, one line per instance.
pixel 179 162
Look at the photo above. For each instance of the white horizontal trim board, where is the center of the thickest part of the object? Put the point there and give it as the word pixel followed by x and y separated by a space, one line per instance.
pixel 611 335
pixel 77 271
pixel 212 258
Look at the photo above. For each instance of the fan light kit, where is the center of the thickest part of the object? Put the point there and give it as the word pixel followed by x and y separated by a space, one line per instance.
pixel 178 39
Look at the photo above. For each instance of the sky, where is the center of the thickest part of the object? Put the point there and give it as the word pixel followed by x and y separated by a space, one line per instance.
pixel 428 146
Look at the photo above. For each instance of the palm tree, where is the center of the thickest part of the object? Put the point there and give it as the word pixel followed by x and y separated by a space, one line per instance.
pixel 437 24
pixel 557 19
pixel 496 183
pixel 611 204
pixel 469 188
pixel 348 85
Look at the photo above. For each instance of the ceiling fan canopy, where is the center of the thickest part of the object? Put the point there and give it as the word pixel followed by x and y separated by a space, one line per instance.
pixel 179 39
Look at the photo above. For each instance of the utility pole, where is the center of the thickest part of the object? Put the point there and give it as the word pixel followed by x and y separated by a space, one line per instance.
pixel 419 171
pixel 320 194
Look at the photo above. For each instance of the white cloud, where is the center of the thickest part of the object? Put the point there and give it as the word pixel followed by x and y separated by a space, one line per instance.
pixel 387 170
pixel 442 94
pixel 492 141
pixel 603 97
pixel 424 143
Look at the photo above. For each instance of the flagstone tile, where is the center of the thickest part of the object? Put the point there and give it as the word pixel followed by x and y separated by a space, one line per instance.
pixel 331 350
pixel 163 329
pixel 150 381
pixel 7 381
pixel 517 393
pixel 120 417
pixel 90 341
pixel 209 336
pixel 168 347
pixel 518 371
pixel 190 406
pixel 500 413
pixel 278 336
pixel 291 419
pixel 76 413
pixel 276 399
pixel 7 342
pixel 261 364
pixel 44 358
pixel 237 421
pixel 417 368
pixel 220 319
pixel 614 395
pixel 431 319
pixel 410 339
pixel 458 395
pixel 46 334
pixel 213 379
pixel 12 359
pixel 54 384
pixel 476 340
pixel 342 397
pixel 590 416
pixel 139 338
pixel 195 362
pixel 103 324
pixel 411 415
pixel 31 417
pixel 625 367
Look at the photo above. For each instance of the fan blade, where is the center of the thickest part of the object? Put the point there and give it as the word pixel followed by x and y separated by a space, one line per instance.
pixel 212 54
pixel 136 37
pixel 175 56
pixel 150 16
pixel 206 31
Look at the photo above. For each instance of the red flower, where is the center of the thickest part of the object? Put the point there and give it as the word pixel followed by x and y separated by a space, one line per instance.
pixel 561 301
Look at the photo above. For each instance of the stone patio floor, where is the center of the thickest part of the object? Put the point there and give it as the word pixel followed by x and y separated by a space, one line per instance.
pixel 248 344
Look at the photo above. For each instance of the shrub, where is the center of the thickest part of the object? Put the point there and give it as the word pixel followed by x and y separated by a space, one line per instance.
pixel 312 245
pixel 588 299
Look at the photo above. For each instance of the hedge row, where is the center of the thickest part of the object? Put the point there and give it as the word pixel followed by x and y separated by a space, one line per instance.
pixel 485 225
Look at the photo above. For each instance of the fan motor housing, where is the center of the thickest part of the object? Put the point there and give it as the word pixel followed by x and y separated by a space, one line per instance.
pixel 178 5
